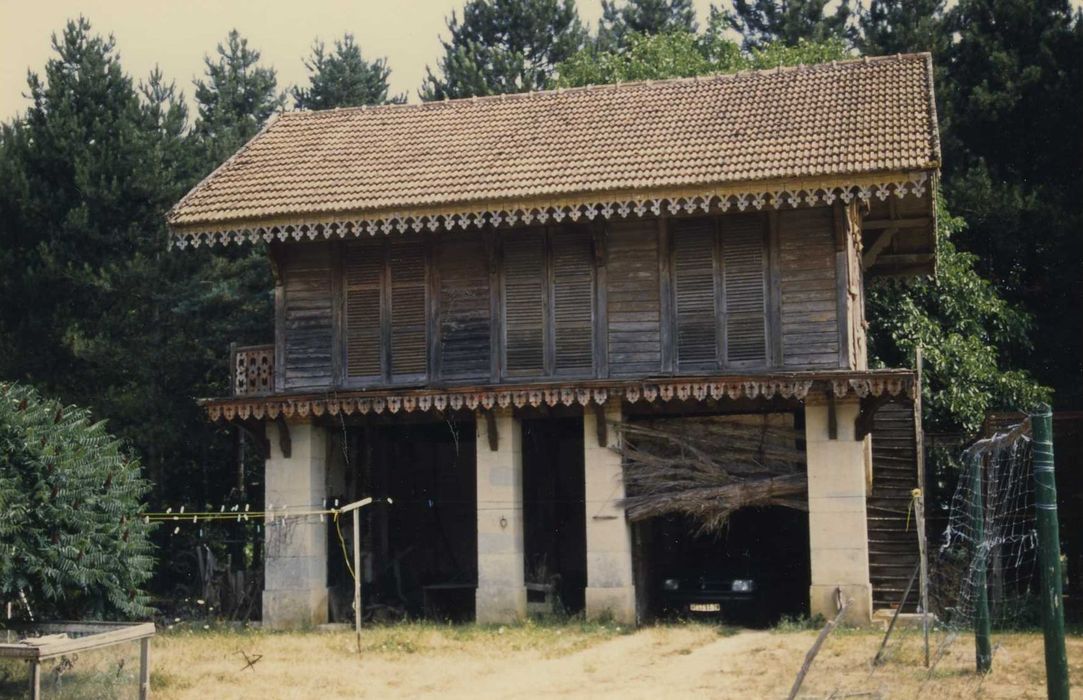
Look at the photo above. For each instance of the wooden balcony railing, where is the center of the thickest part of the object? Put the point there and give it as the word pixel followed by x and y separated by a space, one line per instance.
pixel 253 369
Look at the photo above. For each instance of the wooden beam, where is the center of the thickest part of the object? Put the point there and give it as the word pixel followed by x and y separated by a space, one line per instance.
pixel 601 429
pixel 832 417
pixel 285 444
pixel 906 259
pixel 865 415
pixel 912 222
pixel 256 432
pixel 491 431
pixel 868 258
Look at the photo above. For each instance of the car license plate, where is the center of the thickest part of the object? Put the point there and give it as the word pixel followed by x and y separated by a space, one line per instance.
pixel 704 607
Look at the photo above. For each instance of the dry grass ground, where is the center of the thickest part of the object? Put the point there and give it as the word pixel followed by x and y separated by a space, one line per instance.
pixel 579 660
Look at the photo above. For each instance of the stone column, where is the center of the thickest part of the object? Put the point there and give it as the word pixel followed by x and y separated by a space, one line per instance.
pixel 838 529
pixel 501 594
pixel 295 560
pixel 610 583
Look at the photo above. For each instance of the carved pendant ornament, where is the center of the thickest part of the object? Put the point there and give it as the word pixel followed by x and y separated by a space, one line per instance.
pixel 894 383
pixel 708 201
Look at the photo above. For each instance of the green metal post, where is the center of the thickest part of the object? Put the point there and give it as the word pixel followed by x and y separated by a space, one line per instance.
pixel 1045 503
pixel 982 627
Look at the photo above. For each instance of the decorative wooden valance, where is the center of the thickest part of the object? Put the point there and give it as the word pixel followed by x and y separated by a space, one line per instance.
pixel 861 385
pixel 776 195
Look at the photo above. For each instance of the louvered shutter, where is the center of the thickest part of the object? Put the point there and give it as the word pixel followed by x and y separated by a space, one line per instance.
pixel 744 272
pixel 573 300
pixel 524 302
pixel 308 324
pixel 465 323
pixel 409 340
pixel 364 267
pixel 633 299
pixel 694 290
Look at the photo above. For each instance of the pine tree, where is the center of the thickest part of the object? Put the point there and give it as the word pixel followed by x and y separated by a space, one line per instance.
pixel 343 78
pixel 236 99
pixel 504 46
pixel 760 22
pixel 902 26
pixel 649 17
pixel 70 502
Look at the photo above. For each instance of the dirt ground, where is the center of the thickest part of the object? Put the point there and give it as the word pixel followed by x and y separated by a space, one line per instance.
pixel 580 660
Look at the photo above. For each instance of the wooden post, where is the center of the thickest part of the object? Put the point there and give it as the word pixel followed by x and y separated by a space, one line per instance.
pixel 815 649
pixel 983 648
pixel 35 680
pixel 144 668
pixel 357 576
pixel 919 502
pixel 355 508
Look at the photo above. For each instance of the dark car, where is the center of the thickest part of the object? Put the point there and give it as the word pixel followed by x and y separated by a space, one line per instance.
pixel 753 573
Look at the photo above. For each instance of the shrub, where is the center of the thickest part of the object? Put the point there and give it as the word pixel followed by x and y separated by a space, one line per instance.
pixel 73 541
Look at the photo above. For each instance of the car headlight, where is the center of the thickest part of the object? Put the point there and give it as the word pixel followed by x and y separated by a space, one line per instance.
pixel 671 584
pixel 743 585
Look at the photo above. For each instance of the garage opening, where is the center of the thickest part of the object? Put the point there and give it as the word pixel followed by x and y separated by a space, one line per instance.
pixel 554 515
pixel 719 504
pixel 419 538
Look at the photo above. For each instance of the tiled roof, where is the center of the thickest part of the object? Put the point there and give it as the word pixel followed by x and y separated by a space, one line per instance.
pixel 830 120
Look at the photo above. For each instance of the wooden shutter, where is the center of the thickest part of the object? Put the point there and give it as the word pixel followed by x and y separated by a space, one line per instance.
pixel 409 341
pixel 744 269
pixel 633 299
pixel 573 300
pixel 810 331
pixel 363 271
pixel 308 324
pixel 524 301
pixel 465 323
pixel 694 290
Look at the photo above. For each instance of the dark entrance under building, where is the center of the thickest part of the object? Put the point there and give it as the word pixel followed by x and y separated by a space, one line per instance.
pixel 419 538
pixel 554 514
pixel 754 573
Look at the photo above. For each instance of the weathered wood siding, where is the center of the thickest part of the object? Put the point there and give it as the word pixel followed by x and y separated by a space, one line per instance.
pixel 639 298
pixel 807 268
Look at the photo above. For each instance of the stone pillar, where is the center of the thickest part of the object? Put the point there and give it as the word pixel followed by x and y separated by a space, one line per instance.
pixel 295 559
pixel 610 583
pixel 501 594
pixel 838 529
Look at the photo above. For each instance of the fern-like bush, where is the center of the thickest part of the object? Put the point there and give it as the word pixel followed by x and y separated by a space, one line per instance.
pixel 73 542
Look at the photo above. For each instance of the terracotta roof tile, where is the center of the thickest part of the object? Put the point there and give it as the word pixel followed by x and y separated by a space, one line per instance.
pixel 830 120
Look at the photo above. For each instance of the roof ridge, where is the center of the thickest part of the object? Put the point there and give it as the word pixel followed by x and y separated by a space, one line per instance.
pixel 619 85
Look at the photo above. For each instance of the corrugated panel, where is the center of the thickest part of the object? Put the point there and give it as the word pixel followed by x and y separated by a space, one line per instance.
pixel 694 274
pixel 409 340
pixel 573 300
pixel 634 300
pixel 308 317
pixel 465 318
pixel 524 301
pixel 893 544
pixel 363 270
pixel 745 272
pixel 810 330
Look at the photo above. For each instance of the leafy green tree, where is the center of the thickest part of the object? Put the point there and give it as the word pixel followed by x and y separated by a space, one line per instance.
pixel 504 46
pixel 343 78
pixel 70 503
pixel 760 22
pixel 683 55
pixel 902 26
pixel 643 17
pixel 236 99
pixel 966 332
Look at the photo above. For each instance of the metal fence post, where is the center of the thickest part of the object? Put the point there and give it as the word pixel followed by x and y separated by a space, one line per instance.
pixel 1045 503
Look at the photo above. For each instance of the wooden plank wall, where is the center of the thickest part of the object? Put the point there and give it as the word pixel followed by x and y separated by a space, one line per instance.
pixel 640 298
pixel 893 544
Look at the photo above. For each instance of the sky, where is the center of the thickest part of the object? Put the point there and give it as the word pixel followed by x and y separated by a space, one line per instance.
pixel 176 35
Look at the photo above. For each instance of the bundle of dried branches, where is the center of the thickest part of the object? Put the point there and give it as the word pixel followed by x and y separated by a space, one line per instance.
pixel 707 468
